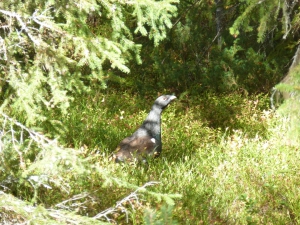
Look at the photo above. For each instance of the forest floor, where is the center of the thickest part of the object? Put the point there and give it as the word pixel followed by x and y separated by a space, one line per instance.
pixel 226 159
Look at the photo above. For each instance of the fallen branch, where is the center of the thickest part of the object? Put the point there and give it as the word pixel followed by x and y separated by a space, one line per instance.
pixel 120 204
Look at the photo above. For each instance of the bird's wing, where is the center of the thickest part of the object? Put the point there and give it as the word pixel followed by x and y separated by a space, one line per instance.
pixel 136 147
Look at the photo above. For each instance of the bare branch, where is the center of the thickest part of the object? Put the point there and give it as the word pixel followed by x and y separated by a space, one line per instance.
pixel 74 198
pixel 41 19
pixel 3 48
pixel 133 197
pixel 287 11
pixel 23 25
pixel 39 138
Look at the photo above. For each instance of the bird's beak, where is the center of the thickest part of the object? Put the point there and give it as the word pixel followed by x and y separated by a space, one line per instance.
pixel 173 97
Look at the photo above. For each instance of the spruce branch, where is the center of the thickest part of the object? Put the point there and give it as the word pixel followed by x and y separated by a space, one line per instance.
pixel 16 211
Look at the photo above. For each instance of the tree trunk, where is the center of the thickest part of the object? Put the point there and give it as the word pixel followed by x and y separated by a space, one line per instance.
pixel 288 79
pixel 278 96
pixel 219 14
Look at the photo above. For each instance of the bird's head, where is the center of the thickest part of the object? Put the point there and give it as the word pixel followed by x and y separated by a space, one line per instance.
pixel 164 100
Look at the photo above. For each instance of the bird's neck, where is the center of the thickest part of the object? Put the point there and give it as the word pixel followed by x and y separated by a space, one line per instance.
pixel 152 122
pixel 154 113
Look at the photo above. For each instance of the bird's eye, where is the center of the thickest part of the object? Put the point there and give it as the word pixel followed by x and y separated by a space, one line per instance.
pixel 165 98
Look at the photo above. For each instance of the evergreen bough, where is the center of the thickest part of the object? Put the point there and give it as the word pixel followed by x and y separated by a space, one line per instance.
pixel 51 49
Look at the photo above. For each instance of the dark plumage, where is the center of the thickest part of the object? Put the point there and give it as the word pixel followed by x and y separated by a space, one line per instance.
pixel 145 141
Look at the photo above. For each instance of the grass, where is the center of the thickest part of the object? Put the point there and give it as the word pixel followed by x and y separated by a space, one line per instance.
pixel 225 160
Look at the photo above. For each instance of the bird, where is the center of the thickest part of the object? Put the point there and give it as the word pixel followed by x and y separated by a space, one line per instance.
pixel 146 140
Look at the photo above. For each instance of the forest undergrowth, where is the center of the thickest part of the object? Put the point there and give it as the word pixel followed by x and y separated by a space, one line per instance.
pixel 227 159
